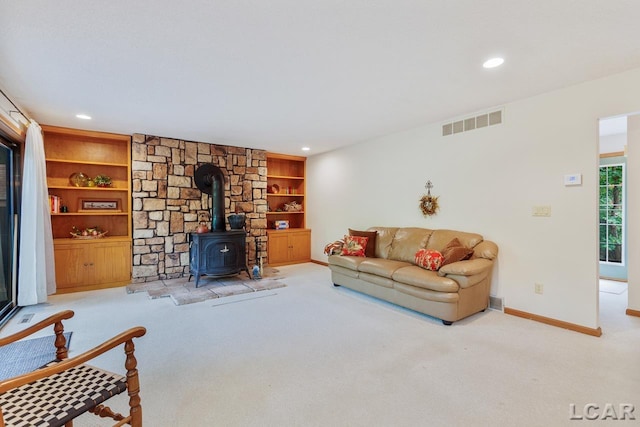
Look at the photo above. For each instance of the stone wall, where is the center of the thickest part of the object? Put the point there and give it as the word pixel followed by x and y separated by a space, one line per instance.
pixel 167 205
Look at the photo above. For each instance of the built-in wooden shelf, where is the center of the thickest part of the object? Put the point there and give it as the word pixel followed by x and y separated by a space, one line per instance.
pixel 83 264
pixel 291 245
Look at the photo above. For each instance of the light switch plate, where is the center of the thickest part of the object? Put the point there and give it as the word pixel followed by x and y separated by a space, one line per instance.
pixel 541 211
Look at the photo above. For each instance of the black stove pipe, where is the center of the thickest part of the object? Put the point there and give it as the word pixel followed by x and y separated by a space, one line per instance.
pixel 217 201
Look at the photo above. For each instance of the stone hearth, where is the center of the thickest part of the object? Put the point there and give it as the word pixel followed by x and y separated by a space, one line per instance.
pixel 167 206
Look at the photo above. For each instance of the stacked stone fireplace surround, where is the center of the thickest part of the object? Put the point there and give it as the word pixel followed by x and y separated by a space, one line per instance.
pixel 167 205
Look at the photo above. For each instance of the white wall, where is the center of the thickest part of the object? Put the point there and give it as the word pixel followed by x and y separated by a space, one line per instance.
pixel 613 143
pixel 488 181
pixel 633 212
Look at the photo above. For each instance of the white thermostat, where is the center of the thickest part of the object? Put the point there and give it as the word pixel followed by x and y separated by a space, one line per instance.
pixel 573 179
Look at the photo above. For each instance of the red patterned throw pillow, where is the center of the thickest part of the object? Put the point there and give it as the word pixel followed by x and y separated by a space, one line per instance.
pixel 370 249
pixel 354 245
pixel 429 259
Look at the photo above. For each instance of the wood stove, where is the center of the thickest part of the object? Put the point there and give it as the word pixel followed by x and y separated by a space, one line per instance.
pixel 218 254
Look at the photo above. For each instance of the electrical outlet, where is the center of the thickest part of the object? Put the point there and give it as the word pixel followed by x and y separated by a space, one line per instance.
pixel 538 288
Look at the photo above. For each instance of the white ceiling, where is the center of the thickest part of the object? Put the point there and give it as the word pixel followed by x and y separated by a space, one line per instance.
pixel 613 126
pixel 280 74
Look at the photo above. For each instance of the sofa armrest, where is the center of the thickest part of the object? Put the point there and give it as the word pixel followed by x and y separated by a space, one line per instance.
pixel 466 268
pixel 485 249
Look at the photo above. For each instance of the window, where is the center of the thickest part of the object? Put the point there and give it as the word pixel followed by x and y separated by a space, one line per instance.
pixel 612 214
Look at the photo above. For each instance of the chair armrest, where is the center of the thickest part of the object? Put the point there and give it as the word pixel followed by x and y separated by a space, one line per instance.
pixel 466 268
pixel 58 329
pixel 51 320
pixel 122 338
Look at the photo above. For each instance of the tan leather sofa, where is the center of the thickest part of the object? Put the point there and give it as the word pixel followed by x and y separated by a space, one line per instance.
pixel 455 291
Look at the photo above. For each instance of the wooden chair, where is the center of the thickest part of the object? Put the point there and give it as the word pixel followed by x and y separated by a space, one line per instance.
pixel 66 387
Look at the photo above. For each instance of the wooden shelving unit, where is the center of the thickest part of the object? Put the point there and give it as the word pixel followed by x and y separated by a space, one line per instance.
pixel 92 263
pixel 286 184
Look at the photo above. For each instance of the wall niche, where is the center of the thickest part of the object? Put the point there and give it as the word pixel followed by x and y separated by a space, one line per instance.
pixel 167 205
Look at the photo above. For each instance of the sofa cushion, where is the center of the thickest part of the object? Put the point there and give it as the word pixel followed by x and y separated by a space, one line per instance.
pixel 426 279
pixel 380 266
pixel 455 251
pixel 406 243
pixel 384 237
pixel 377 280
pixel 370 250
pixel 440 238
pixel 429 259
pixel 344 271
pixel 354 245
pixel 427 294
pixel 350 262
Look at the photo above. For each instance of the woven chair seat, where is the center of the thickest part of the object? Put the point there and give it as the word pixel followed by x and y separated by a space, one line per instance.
pixel 58 399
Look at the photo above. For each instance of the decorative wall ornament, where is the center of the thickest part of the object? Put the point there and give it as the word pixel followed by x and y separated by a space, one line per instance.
pixel 429 203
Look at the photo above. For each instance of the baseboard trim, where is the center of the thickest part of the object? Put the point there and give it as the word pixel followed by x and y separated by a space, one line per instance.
pixel 613 279
pixel 319 262
pixel 632 312
pixel 554 322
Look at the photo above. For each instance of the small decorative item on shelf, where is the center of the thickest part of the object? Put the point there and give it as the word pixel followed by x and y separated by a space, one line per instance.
pixel 273 189
pixel 55 202
pixel 88 233
pixel 78 179
pixel 281 224
pixel 293 207
pixel 99 205
pixel 102 181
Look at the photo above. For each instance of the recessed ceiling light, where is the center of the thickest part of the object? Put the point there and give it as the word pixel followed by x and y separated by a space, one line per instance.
pixel 306 148
pixel 493 63
pixel 83 116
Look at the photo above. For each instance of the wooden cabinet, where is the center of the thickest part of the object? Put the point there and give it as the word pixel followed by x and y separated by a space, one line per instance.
pixel 288 246
pixel 84 263
pixel 285 188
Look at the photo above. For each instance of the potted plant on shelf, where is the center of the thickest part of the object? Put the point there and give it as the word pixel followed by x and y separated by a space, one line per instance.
pixel 102 181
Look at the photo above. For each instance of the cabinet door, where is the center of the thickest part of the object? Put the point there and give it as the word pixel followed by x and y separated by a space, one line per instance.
pixel 71 266
pixel 222 255
pixel 300 245
pixel 278 248
pixel 112 263
pixel 92 266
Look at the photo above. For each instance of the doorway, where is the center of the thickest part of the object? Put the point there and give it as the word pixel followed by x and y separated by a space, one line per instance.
pixel 612 218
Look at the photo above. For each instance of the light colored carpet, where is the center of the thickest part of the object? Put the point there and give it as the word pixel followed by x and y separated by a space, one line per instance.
pixel 612 286
pixel 183 291
pixel 314 355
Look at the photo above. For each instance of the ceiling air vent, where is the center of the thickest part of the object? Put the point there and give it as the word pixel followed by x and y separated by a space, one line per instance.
pixel 471 123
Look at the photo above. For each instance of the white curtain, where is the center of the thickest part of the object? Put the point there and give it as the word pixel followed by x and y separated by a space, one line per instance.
pixel 36 278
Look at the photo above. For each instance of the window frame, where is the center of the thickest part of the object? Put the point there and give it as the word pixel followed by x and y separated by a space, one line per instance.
pixel 608 207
